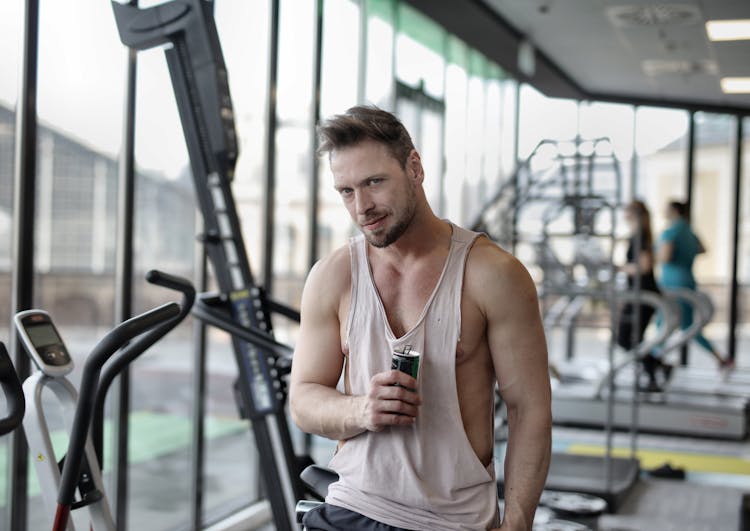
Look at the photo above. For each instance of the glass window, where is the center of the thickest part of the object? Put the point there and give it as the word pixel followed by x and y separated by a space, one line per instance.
pixel 80 94
pixel 419 51
pixel 475 178
pixel 379 72
pixel 543 118
pixel 293 154
pixel 712 219
pixel 661 164
pixel 11 20
pixel 456 90
pixel 508 131
pixel 743 252
pixel 617 123
pixel 338 92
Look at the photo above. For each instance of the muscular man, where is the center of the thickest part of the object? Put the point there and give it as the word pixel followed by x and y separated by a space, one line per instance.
pixel 417 453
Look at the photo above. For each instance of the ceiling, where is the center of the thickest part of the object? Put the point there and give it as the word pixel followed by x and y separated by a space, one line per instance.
pixel 617 50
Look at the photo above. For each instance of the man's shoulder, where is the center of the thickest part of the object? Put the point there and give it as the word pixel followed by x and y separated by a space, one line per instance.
pixel 332 273
pixel 487 257
pixel 493 272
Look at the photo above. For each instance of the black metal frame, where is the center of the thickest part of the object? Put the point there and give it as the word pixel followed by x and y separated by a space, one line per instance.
pixel 24 210
pixel 120 407
pixel 734 286
pixel 269 198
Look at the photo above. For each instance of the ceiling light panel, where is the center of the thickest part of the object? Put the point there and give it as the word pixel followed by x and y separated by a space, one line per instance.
pixel 728 30
pixel 735 85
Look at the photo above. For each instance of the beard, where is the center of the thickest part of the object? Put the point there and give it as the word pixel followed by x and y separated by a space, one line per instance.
pixel 402 222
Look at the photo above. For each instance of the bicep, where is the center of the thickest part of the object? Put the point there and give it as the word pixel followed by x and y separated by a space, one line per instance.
pixel 317 356
pixel 516 339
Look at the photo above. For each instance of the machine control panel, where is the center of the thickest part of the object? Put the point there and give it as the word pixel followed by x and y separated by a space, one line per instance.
pixel 43 342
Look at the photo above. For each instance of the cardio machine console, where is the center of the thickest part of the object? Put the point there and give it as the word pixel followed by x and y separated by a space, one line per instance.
pixel 43 343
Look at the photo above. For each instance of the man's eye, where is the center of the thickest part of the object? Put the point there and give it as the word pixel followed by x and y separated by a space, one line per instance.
pixel 345 192
pixel 375 181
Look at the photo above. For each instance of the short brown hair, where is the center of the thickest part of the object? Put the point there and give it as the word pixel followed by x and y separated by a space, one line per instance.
pixel 365 122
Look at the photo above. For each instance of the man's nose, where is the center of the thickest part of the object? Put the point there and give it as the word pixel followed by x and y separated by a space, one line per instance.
pixel 363 202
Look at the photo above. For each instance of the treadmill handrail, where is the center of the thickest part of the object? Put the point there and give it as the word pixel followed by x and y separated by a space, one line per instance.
pixel 669 325
pixel 11 387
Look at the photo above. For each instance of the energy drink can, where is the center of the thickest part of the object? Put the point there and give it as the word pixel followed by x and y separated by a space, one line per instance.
pixel 406 361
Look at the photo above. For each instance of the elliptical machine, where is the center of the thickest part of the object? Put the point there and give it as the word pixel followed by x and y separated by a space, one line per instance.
pixel 80 469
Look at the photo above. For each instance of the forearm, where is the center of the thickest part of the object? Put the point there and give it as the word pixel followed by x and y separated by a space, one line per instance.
pixel 526 465
pixel 324 411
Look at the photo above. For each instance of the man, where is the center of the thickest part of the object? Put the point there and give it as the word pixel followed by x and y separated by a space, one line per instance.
pixel 417 453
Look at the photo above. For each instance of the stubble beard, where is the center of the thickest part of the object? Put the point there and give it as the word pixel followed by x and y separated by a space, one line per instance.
pixel 402 223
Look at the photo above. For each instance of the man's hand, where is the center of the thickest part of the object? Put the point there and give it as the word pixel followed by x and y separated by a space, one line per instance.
pixel 388 404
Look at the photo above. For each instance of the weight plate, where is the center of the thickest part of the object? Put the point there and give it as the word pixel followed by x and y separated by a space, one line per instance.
pixel 560 525
pixel 573 503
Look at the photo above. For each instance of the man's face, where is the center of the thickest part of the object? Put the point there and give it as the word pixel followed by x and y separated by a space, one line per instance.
pixel 379 195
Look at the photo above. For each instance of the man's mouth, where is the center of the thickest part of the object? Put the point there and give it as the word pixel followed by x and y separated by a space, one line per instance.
pixel 374 223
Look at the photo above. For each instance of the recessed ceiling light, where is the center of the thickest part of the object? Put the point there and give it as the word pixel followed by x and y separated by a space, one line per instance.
pixel 728 30
pixel 735 85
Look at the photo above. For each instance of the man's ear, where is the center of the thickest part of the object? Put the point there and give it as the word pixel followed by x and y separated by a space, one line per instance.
pixel 414 168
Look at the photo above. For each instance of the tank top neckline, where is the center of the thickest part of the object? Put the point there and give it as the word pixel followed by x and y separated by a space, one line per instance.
pixel 425 309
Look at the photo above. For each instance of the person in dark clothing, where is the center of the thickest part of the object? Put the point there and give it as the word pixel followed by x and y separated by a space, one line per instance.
pixel 639 269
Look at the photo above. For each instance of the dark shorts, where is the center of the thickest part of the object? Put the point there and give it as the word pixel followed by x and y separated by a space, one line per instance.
pixel 332 518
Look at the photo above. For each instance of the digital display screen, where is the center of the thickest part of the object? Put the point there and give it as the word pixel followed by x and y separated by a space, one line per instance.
pixel 43 335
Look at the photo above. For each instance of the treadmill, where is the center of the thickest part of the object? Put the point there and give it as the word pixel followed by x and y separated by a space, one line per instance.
pixel 693 402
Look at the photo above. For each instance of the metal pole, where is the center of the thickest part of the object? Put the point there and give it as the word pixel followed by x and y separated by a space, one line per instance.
pixel 23 243
pixel 734 286
pixel 199 396
pixel 124 288
pixel 313 250
pixel 269 205
pixel 690 178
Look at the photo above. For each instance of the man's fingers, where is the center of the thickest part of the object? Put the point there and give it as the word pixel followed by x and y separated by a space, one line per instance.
pixel 397 406
pixel 392 419
pixel 392 392
pixel 394 377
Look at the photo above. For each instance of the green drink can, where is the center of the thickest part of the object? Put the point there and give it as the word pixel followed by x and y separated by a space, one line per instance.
pixel 406 361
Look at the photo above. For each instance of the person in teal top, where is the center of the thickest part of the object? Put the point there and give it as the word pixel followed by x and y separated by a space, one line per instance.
pixel 678 247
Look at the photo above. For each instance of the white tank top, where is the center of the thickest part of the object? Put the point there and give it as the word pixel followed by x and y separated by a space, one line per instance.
pixel 425 476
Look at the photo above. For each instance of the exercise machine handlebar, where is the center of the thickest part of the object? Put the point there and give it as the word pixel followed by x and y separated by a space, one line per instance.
pixel 13 392
pixel 128 354
pixel 103 351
